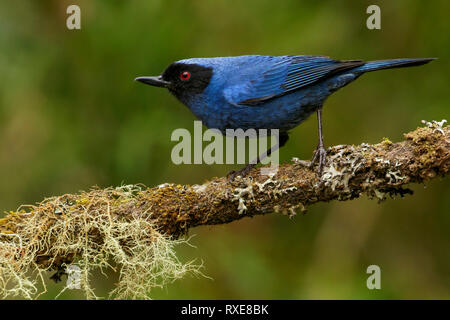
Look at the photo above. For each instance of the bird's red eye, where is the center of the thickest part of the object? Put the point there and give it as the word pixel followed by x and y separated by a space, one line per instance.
pixel 185 76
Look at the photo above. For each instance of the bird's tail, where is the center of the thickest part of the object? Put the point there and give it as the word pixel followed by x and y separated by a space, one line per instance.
pixel 394 63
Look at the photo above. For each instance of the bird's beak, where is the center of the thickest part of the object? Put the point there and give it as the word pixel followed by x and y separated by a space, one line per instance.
pixel 153 81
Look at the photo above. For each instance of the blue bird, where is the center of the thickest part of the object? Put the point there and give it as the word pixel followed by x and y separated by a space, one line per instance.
pixel 264 92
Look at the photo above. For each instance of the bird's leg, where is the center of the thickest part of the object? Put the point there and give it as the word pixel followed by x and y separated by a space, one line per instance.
pixel 320 154
pixel 284 137
pixel 242 172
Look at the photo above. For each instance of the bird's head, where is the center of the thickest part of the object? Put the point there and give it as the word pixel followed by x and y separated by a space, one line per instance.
pixel 184 79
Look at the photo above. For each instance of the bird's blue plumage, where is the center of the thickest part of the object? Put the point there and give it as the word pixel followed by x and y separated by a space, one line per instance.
pixel 264 92
pixel 272 92
pixel 286 75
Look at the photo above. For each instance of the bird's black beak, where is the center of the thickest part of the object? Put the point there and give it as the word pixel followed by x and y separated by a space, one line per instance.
pixel 154 81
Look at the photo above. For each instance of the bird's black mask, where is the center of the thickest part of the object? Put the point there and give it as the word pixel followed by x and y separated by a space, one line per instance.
pixel 182 80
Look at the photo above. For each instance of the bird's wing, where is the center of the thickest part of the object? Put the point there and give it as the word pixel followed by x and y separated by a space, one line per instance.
pixel 288 74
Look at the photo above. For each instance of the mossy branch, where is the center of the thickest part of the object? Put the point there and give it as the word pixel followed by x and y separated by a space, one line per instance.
pixel 135 227
pixel 378 171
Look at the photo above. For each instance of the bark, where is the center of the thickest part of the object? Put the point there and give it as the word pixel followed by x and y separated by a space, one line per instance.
pixel 379 171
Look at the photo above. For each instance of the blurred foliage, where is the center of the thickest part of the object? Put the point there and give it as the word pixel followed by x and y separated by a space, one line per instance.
pixel 71 116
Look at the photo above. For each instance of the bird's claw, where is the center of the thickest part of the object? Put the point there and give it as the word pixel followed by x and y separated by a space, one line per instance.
pixel 242 172
pixel 320 155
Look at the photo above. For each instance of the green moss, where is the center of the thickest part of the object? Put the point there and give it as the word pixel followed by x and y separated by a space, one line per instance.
pixel 386 142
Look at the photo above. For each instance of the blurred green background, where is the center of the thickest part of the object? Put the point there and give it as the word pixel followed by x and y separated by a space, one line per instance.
pixel 71 117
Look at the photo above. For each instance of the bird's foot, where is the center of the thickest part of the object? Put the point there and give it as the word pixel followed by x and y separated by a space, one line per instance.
pixel 320 155
pixel 242 172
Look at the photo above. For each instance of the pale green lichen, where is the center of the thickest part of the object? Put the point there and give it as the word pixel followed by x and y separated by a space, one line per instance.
pixel 437 126
pixel 93 231
pixel 247 194
pixel 240 195
pixel 343 163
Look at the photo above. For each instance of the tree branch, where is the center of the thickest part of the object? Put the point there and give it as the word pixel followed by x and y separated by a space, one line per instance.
pixel 379 171
pixel 123 222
